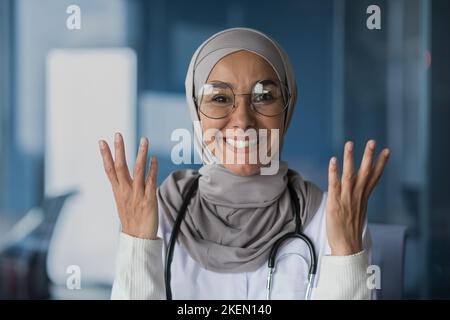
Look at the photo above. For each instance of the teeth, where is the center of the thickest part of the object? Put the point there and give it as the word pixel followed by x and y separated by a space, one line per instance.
pixel 240 144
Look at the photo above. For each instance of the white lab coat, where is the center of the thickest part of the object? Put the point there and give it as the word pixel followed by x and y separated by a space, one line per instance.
pixel 140 270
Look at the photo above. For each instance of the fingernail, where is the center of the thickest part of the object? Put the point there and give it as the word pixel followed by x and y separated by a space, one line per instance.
pixel 350 146
pixel 333 160
pixel 372 144
pixel 117 137
pixel 142 143
pixel 387 152
pixel 101 144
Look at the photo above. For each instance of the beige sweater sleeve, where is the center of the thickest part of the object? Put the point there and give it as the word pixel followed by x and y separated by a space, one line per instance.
pixel 140 273
pixel 139 270
pixel 343 278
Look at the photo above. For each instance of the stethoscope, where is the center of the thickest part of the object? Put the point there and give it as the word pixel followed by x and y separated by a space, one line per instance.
pixel 298 234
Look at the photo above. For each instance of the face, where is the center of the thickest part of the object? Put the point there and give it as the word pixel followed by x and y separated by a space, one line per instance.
pixel 241 70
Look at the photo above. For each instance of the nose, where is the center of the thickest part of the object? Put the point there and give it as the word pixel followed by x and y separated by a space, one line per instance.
pixel 242 117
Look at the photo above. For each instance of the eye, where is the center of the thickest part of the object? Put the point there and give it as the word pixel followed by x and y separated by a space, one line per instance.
pixel 263 97
pixel 221 99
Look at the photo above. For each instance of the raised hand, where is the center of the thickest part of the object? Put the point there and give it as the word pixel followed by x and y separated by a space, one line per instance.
pixel 348 197
pixel 135 197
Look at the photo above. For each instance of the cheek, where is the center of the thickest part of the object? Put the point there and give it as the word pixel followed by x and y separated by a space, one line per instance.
pixel 272 141
pixel 210 126
pixel 271 123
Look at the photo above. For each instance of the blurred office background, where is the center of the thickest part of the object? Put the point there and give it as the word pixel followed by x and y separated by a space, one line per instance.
pixel 61 90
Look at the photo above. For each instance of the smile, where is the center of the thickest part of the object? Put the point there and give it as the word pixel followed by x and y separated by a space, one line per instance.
pixel 241 144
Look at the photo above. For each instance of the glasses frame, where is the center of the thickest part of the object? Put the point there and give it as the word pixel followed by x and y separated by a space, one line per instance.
pixel 289 96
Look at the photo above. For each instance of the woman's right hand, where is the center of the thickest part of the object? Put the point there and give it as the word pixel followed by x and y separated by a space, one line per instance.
pixel 135 197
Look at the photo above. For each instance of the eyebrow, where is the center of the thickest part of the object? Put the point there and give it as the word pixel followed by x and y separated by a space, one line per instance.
pixel 268 81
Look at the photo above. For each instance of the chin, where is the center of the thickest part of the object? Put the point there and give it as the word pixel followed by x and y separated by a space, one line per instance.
pixel 243 169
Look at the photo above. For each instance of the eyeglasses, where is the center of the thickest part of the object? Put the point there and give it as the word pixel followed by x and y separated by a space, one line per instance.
pixel 217 100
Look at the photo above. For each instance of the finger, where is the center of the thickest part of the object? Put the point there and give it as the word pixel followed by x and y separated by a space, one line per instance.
pixel 123 175
pixel 334 185
pixel 139 166
pixel 150 187
pixel 108 163
pixel 365 169
pixel 348 172
pixel 378 170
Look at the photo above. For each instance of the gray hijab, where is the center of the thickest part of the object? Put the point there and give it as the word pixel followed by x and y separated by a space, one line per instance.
pixel 233 221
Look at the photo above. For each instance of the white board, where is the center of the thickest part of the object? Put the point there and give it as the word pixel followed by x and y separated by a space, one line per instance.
pixel 91 94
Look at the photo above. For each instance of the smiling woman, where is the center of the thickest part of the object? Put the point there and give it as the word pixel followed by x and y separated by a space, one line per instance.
pixel 228 217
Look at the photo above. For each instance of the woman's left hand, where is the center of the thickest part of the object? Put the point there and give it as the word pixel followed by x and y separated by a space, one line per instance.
pixel 348 197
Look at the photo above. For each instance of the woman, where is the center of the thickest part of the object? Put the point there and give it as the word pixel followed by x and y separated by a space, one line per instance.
pixel 240 80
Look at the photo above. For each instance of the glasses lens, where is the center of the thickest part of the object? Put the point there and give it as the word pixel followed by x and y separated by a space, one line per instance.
pixel 216 100
pixel 269 98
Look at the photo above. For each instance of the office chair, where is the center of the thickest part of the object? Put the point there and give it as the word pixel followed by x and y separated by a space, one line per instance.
pixel 388 252
pixel 23 252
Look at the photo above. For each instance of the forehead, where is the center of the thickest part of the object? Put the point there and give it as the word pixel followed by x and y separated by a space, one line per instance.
pixel 242 69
